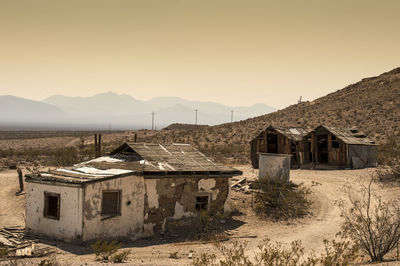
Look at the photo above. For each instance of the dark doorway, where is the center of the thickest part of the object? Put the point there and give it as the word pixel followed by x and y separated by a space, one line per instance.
pixel 272 143
pixel 322 148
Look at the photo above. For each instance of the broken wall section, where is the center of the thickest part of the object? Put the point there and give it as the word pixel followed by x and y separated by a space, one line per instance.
pixel 173 204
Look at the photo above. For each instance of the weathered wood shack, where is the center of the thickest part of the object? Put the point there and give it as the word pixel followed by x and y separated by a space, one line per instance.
pixel 341 147
pixel 279 140
pixel 139 190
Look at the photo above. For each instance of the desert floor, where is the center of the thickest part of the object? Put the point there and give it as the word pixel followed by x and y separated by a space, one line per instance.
pixel 323 223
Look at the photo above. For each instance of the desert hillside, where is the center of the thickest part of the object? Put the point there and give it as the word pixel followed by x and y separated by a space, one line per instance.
pixel 372 105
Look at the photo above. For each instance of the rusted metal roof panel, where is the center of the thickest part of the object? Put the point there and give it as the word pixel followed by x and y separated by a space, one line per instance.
pixel 292 133
pixel 140 159
pixel 350 136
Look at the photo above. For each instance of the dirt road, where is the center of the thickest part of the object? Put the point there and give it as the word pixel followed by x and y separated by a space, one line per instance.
pixel 324 223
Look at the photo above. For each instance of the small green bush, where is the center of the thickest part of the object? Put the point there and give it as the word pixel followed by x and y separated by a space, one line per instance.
pixel 174 255
pixel 337 253
pixel 121 256
pixel 3 252
pixel 105 250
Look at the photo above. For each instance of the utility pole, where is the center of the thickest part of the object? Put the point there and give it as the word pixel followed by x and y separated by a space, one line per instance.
pixel 300 100
pixel 152 121
pixel 232 116
pixel 196 115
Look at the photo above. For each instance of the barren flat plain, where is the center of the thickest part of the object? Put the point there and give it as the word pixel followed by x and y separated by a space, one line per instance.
pixel 327 187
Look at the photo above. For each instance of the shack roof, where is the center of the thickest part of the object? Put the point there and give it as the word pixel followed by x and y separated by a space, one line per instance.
pixel 144 159
pixel 293 133
pixel 350 136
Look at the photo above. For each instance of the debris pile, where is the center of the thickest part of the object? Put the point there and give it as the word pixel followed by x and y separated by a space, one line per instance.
pixel 241 185
pixel 13 244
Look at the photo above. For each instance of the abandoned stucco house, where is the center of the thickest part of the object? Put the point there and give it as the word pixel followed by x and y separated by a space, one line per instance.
pixel 341 147
pixel 279 140
pixel 139 190
pixel 321 146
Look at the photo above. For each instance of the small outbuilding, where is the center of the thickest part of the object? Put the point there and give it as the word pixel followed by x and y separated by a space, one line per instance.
pixel 139 190
pixel 278 140
pixel 340 147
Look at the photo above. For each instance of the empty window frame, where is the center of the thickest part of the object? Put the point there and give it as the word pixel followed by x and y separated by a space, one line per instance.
pixel 111 202
pixel 52 205
pixel 202 203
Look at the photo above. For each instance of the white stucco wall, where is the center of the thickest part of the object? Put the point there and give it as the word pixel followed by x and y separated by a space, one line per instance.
pixel 127 225
pixel 69 226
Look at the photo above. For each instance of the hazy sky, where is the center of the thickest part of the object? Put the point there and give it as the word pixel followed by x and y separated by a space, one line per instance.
pixel 233 52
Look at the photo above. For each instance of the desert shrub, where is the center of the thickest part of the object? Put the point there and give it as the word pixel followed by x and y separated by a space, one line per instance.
pixel 120 257
pixel 389 156
pixel 205 219
pixel 337 253
pixel 3 252
pixel 66 156
pixel 205 259
pixel 374 224
pixel 282 200
pixel 52 261
pixel 234 255
pixel 173 255
pixel 105 250
pixel 275 254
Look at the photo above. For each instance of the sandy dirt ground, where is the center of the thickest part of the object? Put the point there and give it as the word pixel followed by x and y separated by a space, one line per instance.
pixel 323 223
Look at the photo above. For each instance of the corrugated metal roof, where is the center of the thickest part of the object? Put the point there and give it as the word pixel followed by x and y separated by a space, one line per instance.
pixel 293 133
pixel 349 135
pixel 140 159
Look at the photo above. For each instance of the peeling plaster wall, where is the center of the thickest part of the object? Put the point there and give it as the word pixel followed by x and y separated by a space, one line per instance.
pixel 176 199
pixel 129 224
pixel 148 207
pixel 227 204
pixel 69 226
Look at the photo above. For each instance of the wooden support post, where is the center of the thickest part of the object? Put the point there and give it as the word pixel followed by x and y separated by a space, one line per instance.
pixel 20 179
pixel 330 158
pixel 99 148
pixel 265 148
pixel 314 148
pixel 95 145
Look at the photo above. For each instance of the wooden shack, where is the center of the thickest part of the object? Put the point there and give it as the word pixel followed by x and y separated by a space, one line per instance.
pixel 341 147
pixel 279 140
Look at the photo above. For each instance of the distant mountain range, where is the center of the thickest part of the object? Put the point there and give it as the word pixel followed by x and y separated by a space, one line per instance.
pixel 120 111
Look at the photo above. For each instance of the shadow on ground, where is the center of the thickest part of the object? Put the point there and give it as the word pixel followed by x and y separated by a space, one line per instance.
pixel 217 233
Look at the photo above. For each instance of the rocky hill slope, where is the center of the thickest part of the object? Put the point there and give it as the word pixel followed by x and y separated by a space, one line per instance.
pixel 372 105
